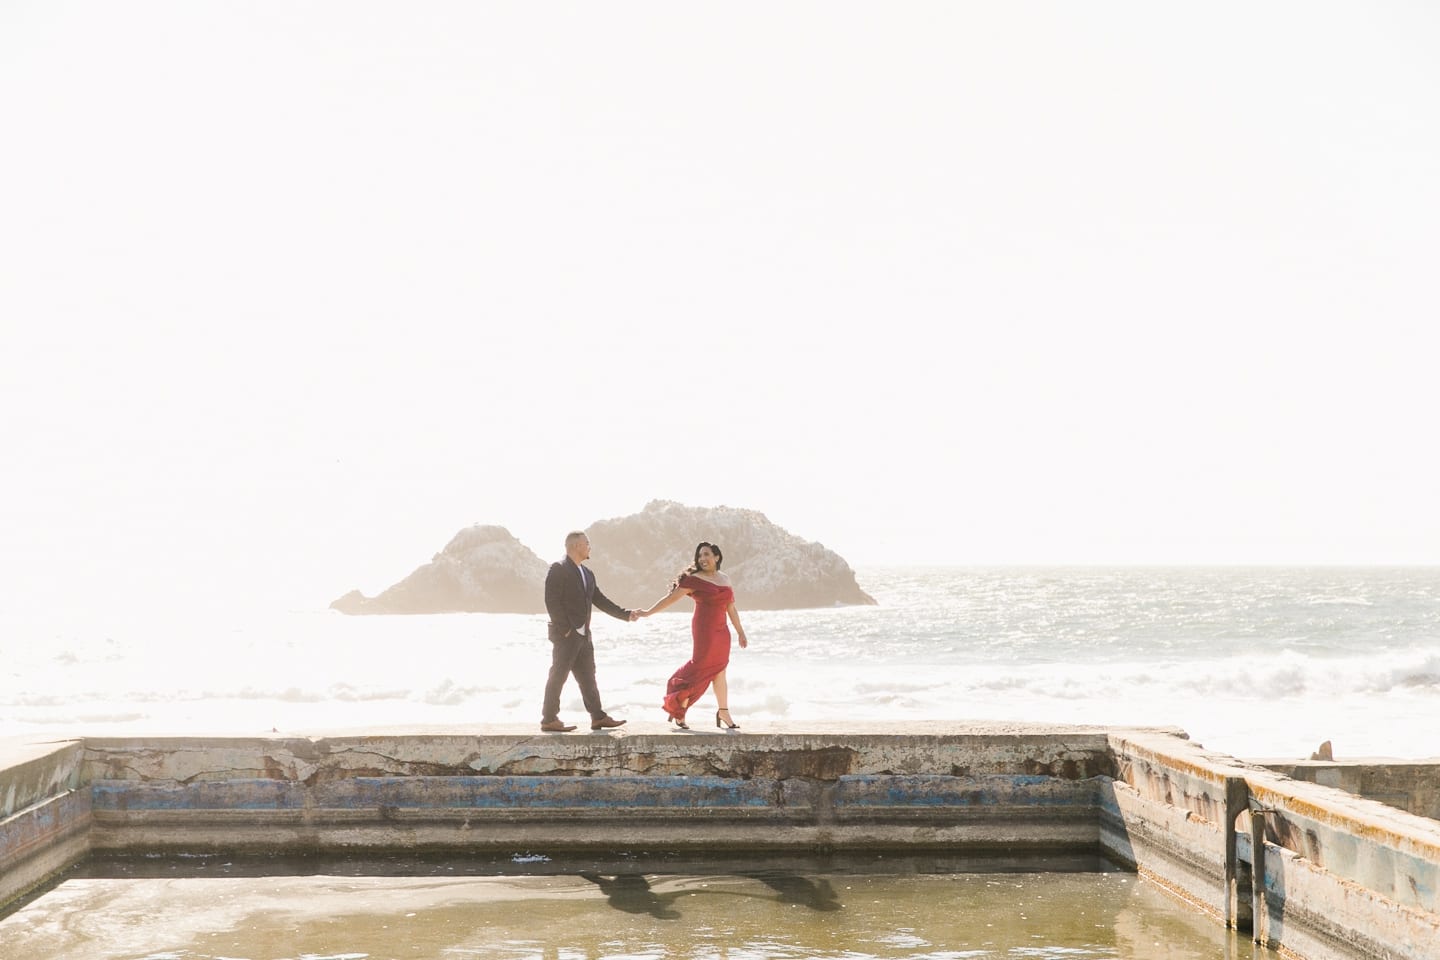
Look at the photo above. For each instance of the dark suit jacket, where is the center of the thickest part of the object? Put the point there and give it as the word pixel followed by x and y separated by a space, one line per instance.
pixel 569 604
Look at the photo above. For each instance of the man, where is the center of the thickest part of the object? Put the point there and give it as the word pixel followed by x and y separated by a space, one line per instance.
pixel 570 595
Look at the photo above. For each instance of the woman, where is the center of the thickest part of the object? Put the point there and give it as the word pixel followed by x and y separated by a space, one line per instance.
pixel 714 600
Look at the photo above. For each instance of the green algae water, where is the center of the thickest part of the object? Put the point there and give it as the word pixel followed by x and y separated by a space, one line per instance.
pixel 769 910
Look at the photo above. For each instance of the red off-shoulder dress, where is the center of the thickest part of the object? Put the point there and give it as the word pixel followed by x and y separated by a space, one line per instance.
pixel 711 651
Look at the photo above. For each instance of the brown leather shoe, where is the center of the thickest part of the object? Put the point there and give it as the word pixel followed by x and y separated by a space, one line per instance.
pixel 605 723
pixel 556 726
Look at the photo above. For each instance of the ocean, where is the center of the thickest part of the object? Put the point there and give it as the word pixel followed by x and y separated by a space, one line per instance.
pixel 1262 662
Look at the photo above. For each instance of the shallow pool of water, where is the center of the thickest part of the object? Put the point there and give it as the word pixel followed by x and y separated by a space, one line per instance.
pixel 626 907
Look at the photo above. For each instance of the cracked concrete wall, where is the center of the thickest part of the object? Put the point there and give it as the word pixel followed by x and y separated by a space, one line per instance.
pixel 687 792
pixel 1344 877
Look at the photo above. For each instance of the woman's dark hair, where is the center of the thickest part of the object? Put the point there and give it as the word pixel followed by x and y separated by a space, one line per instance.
pixel 695 567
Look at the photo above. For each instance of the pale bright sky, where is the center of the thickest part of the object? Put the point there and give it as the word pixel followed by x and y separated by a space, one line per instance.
pixel 291 292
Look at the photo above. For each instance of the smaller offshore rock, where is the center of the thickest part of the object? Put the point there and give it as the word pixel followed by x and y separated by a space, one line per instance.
pixel 483 569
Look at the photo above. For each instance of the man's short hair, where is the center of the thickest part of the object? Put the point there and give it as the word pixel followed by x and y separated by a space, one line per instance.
pixel 573 537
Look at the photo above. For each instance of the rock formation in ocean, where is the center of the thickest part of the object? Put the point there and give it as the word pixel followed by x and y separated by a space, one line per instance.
pixel 486 570
pixel 481 570
pixel 636 557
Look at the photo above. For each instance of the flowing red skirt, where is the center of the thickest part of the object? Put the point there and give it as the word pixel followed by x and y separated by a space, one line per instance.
pixel 710 654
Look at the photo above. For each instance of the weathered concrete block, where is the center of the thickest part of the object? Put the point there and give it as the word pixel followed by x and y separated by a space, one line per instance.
pixel 42 840
pixel 36 773
pixel 44 814
pixel 1317 915
pixel 1412 786
pixel 1393 853
pixel 1343 877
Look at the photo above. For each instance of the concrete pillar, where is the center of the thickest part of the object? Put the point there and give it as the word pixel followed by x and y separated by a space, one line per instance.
pixel 1260 921
pixel 1237 801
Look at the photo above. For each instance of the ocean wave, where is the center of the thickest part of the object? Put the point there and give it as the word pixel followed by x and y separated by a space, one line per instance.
pixel 1285 674
pixel 449 694
pixel 39 700
pixel 345 692
pixel 288 695
pixel 864 688
pixel 72 719
pixel 1340 602
pixel 1425 674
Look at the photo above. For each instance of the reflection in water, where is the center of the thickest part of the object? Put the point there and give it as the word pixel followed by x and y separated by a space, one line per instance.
pixel 1145 918
pixel 552 952
pixel 1241 947
pixel 631 892
pixel 793 888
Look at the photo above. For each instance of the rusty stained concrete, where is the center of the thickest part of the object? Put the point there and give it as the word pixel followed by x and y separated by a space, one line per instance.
pixel 1344 876
pixel 1327 826
pixel 1409 785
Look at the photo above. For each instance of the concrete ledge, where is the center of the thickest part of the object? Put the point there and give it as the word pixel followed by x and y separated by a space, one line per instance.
pixel 30 773
pixel 1409 785
pixel 1071 753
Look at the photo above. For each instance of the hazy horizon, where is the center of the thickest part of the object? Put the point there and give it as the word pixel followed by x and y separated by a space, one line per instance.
pixel 291 294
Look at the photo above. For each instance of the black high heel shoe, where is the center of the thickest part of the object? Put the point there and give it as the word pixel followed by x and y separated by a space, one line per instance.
pixel 728 726
pixel 680 723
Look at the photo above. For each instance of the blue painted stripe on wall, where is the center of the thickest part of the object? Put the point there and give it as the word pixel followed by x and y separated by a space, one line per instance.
pixel 518 792
pixel 41 825
pixel 122 795
pixel 547 792
pixel 873 790
pixel 439 792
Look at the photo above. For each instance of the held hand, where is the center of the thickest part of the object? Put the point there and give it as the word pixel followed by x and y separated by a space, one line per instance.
pixel 634 615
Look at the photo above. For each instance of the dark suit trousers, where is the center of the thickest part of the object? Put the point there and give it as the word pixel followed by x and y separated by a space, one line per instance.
pixel 573 654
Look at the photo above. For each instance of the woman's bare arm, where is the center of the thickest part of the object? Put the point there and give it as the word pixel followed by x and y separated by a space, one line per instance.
pixel 739 630
pixel 666 601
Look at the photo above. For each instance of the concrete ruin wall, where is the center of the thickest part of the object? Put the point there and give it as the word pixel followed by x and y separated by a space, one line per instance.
pixel 684 793
pixel 1341 876
pixel 1412 786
